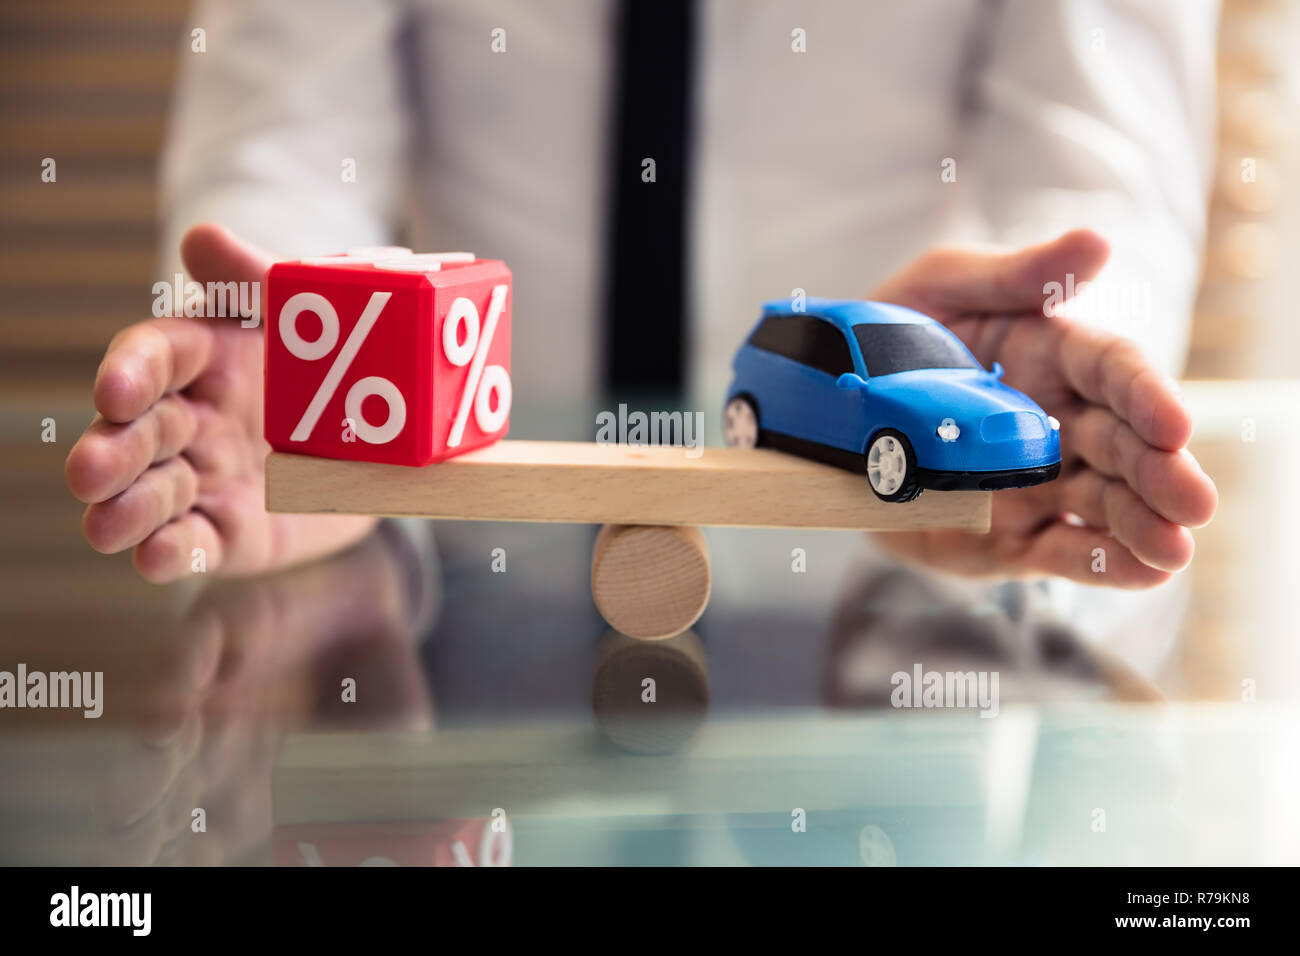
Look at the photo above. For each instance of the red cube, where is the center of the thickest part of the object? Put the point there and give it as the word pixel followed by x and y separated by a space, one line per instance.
pixel 383 355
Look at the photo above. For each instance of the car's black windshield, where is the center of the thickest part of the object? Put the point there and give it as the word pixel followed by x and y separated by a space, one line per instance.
pixel 890 348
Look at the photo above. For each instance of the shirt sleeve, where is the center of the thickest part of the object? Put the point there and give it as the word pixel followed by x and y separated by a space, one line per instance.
pixel 289 127
pixel 1100 113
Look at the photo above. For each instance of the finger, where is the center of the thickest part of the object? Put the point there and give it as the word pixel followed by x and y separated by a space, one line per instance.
pixel 1112 371
pixel 109 456
pixel 213 253
pixel 955 280
pixel 1089 557
pixel 1170 482
pixel 146 361
pixel 169 553
pixel 162 493
pixel 1110 505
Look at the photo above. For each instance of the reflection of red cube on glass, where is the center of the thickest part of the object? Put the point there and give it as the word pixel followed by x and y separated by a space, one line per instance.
pixel 482 841
pixel 383 355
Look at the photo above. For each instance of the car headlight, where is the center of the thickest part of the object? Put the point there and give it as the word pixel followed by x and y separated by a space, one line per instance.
pixel 948 430
pixel 1054 422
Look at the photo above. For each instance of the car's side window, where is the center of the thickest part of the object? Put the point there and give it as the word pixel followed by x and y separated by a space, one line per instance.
pixel 807 339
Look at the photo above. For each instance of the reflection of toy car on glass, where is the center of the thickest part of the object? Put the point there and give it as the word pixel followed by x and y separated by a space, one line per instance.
pixel 888 391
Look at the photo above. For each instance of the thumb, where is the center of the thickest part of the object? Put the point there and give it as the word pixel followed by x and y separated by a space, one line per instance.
pixel 953 281
pixel 213 253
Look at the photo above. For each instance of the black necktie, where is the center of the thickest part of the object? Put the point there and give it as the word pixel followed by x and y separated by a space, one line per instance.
pixel 645 319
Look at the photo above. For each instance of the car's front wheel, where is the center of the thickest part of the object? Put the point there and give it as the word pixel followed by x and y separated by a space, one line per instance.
pixel 891 467
pixel 740 423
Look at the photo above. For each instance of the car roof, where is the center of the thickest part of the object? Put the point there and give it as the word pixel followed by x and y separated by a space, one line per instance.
pixel 846 313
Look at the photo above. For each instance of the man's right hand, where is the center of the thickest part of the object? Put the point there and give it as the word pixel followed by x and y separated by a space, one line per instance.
pixel 174 459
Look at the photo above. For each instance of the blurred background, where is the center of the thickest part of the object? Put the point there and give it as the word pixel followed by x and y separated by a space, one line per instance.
pixel 88 83
pixel 209 687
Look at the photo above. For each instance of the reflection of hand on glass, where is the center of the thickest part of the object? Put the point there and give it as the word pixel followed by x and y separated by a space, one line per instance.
pixel 254 660
pixel 1125 468
pixel 894 619
pixel 174 460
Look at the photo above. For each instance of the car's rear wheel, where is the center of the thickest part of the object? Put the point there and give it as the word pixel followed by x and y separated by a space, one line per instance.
pixel 740 423
pixel 891 467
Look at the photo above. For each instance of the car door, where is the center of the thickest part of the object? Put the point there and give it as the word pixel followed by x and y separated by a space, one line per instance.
pixel 808 355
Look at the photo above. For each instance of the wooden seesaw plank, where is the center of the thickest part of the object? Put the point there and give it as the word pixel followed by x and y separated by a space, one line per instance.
pixel 586 483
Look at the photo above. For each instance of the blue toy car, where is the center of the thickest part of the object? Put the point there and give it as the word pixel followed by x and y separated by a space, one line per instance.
pixel 887 391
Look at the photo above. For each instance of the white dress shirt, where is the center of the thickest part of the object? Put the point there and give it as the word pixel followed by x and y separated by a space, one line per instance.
pixel 820 170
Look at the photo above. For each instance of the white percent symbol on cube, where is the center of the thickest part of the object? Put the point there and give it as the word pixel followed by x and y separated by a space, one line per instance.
pixel 480 382
pixel 362 388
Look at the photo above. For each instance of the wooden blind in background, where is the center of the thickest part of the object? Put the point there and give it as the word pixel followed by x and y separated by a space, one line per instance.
pixel 85 83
